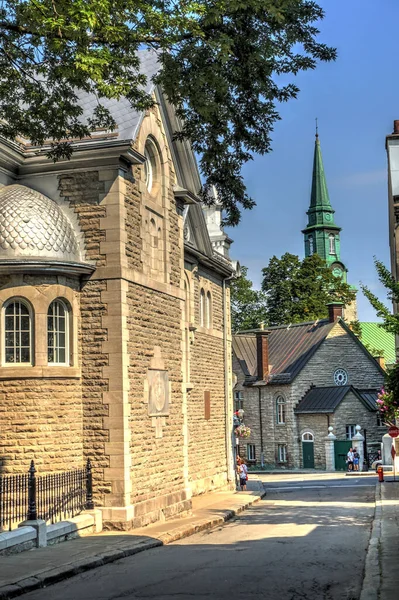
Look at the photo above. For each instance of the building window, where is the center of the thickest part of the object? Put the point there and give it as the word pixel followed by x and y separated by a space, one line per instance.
pixel 350 432
pixel 208 310
pixel 282 453
pixel 280 410
pixel 251 455
pixel 332 244
pixel 307 437
pixel 380 422
pixel 311 245
pixel 340 377
pixel 150 166
pixel 238 401
pixel 17 333
pixel 202 308
pixel 58 333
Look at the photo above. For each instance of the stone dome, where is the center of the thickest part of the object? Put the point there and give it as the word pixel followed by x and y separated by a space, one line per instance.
pixel 34 227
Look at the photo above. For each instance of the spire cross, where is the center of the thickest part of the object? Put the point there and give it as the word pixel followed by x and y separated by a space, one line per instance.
pixel 317 128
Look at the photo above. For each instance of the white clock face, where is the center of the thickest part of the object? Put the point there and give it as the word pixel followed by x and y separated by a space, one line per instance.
pixel 340 377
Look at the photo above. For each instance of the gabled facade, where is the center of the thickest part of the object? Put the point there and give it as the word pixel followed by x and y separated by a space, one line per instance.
pixel 115 321
pixel 295 381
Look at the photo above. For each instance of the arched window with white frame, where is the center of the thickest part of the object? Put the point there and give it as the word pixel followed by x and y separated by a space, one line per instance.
pixel 58 333
pixel 209 310
pixel 307 437
pixel 332 243
pixel 202 308
pixel 17 341
pixel 280 410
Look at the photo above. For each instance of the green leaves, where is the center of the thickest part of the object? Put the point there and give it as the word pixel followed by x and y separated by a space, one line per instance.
pixel 390 320
pixel 219 64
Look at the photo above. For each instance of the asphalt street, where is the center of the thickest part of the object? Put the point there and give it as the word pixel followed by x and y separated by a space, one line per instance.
pixel 307 540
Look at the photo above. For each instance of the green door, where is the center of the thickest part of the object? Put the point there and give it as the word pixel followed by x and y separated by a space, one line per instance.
pixel 341 449
pixel 308 455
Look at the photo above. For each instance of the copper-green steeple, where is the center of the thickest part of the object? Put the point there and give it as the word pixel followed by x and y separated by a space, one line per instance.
pixel 321 233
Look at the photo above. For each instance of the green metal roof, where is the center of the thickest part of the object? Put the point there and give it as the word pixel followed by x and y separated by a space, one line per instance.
pixel 378 339
pixel 319 197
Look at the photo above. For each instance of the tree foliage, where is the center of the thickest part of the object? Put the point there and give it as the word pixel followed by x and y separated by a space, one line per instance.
pixel 221 67
pixel 248 308
pixel 390 321
pixel 298 291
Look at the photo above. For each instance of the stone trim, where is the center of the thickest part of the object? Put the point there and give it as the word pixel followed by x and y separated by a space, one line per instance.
pixel 134 276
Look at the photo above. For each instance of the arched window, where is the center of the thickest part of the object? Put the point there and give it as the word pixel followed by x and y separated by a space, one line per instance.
pixel 311 245
pixel 280 410
pixel 332 243
pixel 208 310
pixel 307 437
pixel 58 333
pixel 202 308
pixel 17 333
pixel 151 166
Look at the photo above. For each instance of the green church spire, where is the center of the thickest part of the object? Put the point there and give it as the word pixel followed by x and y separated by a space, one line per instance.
pixel 321 233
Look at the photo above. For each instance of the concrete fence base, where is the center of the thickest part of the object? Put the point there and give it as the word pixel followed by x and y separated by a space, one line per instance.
pixel 36 534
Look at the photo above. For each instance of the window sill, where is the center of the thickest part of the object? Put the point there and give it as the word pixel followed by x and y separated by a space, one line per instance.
pixel 281 424
pixel 44 372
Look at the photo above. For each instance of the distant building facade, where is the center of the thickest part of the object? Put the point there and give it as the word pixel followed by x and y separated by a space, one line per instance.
pixel 295 381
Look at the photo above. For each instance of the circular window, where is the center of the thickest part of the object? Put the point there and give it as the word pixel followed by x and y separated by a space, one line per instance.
pixel 340 377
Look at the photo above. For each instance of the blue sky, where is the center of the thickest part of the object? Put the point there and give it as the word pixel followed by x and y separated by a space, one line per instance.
pixel 356 100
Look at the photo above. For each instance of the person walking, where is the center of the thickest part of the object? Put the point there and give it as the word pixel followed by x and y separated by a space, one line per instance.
pixel 243 473
pixel 350 457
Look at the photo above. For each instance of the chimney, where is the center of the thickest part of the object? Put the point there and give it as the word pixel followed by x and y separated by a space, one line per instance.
pixel 335 310
pixel 396 126
pixel 381 361
pixel 262 353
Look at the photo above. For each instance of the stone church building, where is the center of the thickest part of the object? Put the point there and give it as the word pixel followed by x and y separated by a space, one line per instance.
pixel 295 381
pixel 115 323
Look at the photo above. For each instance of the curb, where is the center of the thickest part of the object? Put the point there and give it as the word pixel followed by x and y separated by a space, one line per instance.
pixel 372 570
pixel 58 574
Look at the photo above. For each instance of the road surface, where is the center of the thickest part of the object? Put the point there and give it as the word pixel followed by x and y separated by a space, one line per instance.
pixel 306 540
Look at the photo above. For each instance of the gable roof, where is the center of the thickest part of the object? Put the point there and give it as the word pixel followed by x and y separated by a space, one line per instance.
pixel 327 399
pixel 377 338
pixel 290 348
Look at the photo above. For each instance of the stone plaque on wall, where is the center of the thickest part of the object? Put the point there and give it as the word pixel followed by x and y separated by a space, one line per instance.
pixel 158 393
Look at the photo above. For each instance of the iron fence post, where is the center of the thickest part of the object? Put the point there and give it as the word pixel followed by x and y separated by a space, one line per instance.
pixel 32 512
pixel 89 486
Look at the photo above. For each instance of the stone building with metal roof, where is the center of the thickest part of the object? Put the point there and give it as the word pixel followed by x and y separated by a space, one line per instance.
pixel 115 324
pixel 295 381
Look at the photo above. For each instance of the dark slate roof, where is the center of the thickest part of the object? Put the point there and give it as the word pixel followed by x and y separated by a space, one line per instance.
pixel 369 398
pixel 127 119
pixel 327 399
pixel 290 348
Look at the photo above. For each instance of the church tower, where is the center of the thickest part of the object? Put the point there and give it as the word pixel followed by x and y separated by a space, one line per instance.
pixel 321 234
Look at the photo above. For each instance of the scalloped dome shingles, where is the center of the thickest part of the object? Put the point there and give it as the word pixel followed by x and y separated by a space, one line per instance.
pixel 33 226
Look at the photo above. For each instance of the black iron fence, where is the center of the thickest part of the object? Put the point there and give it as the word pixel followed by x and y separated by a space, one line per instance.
pixel 53 497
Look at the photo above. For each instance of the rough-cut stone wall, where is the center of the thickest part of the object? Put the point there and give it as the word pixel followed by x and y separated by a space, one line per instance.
pixel 157 464
pixel 133 223
pixel 84 192
pixel 94 384
pixel 353 412
pixel 40 417
pixel 207 438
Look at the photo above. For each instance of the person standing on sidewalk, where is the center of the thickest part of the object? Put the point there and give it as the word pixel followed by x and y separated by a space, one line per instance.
pixel 243 473
pixel 350 457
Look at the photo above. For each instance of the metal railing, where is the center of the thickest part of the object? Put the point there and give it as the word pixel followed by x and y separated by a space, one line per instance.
pixel 53 497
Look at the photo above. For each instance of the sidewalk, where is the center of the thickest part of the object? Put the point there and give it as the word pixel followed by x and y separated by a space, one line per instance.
pixel 381 581
pixel 21 573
